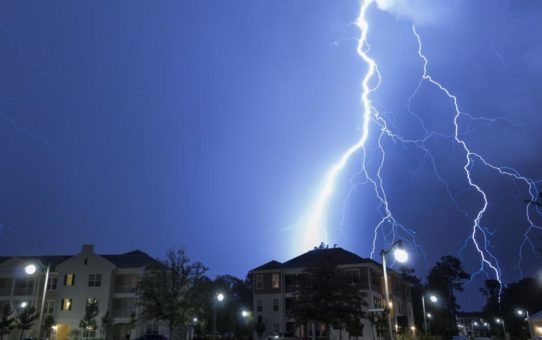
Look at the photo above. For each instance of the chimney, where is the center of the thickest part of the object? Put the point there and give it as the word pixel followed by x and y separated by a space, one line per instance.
pixel 87 248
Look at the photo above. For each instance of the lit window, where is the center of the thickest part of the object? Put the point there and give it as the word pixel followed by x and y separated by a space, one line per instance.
pixel 69 280
pixel 275 305
pixel 51 284
pixel 259 281
pixel 94 280
pixel 275 281
pixel 66 304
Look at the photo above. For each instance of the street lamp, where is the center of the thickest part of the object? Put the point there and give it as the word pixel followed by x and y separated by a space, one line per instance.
pixel 30 269
pixel 433 299
pixel 24 304
pixel 245 313
pixel 501 321
pixel 522 312
pixel 400 256
pixel 218 298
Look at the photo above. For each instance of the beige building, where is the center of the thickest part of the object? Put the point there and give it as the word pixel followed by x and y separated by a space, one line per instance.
pixel 75 280
pixel 275 284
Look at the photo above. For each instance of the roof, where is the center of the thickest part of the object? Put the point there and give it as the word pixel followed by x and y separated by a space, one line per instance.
pixel 52 260
pixel 132 259
pixel 312 258
pixel 536 316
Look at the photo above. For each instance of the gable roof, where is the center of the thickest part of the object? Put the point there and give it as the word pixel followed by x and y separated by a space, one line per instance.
pixel 52 260
pixel 536 316
pixel 339 256
pixel 269 265
pixel 132 259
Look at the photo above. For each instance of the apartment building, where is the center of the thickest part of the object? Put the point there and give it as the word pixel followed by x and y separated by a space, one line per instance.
pixel 275 285
pixel 74 281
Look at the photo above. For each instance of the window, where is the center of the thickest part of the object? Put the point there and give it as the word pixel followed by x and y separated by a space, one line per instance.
pixel 377 302
pixel 51 284
pixel 49 307
pixel 275 305
pixel 259 281
pixel 259 305
pixel 85 262
pixel 69 280
pixel 89 333
pixel 151 329
pixel 66 304
pixel 275 327
pixel 94 280
pixel 275 281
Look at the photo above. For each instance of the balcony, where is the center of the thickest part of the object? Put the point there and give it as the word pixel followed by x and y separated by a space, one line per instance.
pixel 23 291
pixel 124 289
pixel 122 313
pixel 5 291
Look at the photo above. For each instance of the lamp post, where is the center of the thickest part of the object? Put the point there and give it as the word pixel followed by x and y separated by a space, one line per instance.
pixel 400 256
pixel 30 269
pixel 501 321
pixel 218 298
pixel 522 312
pixel 433 299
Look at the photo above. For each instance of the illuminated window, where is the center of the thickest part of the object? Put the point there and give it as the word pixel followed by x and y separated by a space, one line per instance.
pixel 94 280
pixel 259 281
pixel 69 280
pixel 275 281
pixel 66 304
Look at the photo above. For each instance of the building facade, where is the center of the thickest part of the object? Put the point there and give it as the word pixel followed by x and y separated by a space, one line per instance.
pixel 275 286
pixel 75 281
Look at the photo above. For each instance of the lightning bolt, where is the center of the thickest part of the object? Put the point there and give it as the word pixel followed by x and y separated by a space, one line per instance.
pixel 388 227
pixel 315 230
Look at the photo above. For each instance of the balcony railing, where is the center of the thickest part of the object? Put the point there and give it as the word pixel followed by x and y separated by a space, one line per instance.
pixel 124 289
pixel 5 291
pixel 23 291
pixel 122 313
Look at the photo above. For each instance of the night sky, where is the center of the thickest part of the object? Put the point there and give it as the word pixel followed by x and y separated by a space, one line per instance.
pixel 211 125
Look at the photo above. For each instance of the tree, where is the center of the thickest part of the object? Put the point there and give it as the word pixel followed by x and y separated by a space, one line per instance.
pixel 329 296
pixel 168 292
pixel 446 277
pixel 259 326
pixel 7 320
pixel 106 324
pixel 48 326
pixel 88 322
pixel 26 319
pixel 491 290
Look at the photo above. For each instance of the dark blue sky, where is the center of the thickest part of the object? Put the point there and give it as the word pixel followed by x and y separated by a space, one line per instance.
pixel 211 124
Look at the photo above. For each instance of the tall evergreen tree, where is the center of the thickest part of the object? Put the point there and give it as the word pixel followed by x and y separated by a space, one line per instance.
pixel 26 319
pixel 446 277
pixel 88 322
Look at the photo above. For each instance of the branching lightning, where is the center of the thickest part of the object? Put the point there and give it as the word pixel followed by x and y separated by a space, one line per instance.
pixel 388 227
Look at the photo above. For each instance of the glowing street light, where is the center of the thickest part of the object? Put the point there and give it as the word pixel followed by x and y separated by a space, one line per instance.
pixel 31 269
pixel 219 297
pixel 401 256
pixel 429 315
pixel 24 304
pixel 433 299
pixel 245 313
